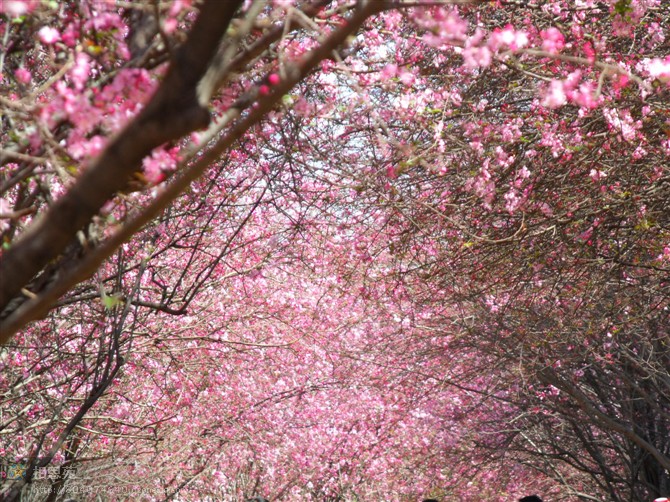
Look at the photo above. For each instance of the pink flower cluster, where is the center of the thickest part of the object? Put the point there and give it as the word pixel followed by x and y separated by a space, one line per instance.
pixel 571 90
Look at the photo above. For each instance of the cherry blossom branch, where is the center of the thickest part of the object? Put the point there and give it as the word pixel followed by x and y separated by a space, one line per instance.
pixel 38 307
pixel 606 67
pixel 172 112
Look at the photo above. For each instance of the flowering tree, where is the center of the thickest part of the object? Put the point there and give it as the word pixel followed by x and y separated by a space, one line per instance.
pixel 520 185
pixel 332 250
pixel 545 196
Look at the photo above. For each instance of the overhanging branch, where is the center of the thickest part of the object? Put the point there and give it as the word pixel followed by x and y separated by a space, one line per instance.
pixel 172 112
pixel 39 306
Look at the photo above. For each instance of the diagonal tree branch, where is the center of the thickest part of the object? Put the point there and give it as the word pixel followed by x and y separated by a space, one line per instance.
pixel 171 113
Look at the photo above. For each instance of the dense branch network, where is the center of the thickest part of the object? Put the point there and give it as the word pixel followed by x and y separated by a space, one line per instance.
pixel 332 250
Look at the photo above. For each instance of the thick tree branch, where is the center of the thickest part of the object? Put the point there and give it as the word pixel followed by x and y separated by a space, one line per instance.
pixel 171 113
pixel 550 377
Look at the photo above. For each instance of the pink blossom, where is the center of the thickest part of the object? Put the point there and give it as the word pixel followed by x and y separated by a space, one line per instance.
pixel 589 51
pixel 481 105
pixel 303 107
pixel 170 25
pixel 657 33
pixel 445 26
pixel 474 54
pixel 554 141
pixel 158 164
pixel 5 211
pixel 545 209
pixel 477 146
pixel 104 21
pixel 585 96
pixel 503 158
pixel 521 175
pixel 81 70
pixel 658 68
pixel 407 78
pixel 16 8
pixel 178 6
pixel 512 201
pixel 622 122
pixel 48 35
pixel 639 153
pixel 572 80
pixel 274 79
pixel 512 131
pixel 554 95
pixel 23 75
pixel 70 35
pixel 597 175
pixel 514 39
pixel 483 186
pixel 586 234
pixel 451 24
pixel 494 302
pixel 474 57
pixel 553 40
pixel 657 173
pixel 389 71
pixel 283 4
pixel 392 19
pixel 620 81
pixel 82 148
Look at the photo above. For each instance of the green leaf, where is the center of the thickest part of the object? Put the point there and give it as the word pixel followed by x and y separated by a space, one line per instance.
pixel 622 7
pixel 110 302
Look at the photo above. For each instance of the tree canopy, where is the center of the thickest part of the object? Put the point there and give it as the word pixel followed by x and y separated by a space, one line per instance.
pixel 334 250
